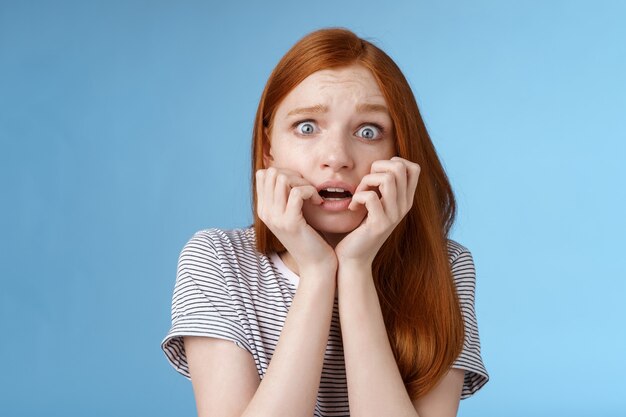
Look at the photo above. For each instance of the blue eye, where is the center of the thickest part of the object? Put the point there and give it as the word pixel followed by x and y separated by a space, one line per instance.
pixel 308 130
pixel 369 133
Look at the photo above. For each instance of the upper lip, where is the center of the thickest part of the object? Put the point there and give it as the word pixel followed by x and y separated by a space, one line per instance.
pixel 337 184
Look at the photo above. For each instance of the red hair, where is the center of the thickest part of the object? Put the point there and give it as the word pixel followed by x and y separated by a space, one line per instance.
pixel 411 271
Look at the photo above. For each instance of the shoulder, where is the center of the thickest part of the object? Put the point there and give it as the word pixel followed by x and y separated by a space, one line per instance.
pixel 462 264
pixel 470 359
pixel 455 249
pixel 221 241
pixel 227 257
pixel 459 255
pixel 216 247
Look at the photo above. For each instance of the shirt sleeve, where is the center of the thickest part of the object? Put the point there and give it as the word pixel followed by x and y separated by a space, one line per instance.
pixel 470 359
pixel 202 304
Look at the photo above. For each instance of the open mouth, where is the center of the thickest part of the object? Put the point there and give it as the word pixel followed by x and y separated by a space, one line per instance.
pixel 334 194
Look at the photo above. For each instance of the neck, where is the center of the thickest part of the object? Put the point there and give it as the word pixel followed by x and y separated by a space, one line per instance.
pixel 332 238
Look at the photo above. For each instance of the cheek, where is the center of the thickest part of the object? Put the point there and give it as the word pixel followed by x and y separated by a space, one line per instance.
pixel 383 153
pixel 293 162
pixel 288 158
pixel 373 155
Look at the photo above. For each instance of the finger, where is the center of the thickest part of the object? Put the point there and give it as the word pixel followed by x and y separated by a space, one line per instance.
pixel 372 203
pixel 413 171
pixel 260 184
pixel 269 187
pixel 398 167
pixel 297 195
pixel 311 192
pixel 386 183
pixel 281 191
pixel 285 181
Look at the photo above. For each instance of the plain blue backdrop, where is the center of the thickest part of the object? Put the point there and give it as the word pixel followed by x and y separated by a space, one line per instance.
pixel 125 127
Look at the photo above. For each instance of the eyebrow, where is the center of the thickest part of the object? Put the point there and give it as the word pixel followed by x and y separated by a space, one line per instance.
pixel 361 108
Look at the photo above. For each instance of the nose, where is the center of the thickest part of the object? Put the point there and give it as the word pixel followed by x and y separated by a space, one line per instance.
pixel 335 153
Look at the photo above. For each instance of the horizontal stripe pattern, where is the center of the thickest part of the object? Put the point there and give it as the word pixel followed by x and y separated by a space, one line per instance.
pixel 226 289
pixel 470 359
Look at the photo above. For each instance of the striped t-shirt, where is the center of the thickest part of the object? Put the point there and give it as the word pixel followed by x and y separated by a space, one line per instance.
pixel 226 289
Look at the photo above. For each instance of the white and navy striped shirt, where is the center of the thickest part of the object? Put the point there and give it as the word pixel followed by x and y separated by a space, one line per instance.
pixel 226 289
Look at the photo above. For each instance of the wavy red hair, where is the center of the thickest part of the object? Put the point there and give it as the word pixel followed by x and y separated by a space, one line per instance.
pixel 411 271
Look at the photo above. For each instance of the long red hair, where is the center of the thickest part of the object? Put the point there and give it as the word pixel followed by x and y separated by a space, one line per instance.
pixel 411 271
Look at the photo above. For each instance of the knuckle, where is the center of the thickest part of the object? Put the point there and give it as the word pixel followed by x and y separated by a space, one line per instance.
pixel 282 179
pixel 389 178
pixel 296 192
pixel 400 167
pixel 398 164
pixel 370 195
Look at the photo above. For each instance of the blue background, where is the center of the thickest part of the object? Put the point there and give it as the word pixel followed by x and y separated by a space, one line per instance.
pixel 125 127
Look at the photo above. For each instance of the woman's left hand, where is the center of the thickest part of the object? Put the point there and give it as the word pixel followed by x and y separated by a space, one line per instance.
pixel 396 179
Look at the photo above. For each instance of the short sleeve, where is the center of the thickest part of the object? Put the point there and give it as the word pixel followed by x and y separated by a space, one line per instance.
pixel 202 304
pixel 470 359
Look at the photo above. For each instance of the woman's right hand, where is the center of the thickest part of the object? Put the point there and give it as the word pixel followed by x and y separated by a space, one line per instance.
pixel 280 196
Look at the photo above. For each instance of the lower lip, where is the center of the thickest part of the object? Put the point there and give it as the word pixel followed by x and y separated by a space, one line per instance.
pixel 336 205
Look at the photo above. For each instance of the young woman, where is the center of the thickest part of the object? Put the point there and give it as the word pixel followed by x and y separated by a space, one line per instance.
pixel 345 297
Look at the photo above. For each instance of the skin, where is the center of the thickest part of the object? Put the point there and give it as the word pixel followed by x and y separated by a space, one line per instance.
pixel 332 252
pixel 338 145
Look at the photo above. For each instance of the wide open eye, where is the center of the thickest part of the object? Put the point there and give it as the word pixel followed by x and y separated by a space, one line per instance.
pixel 305 127
pixel 369 131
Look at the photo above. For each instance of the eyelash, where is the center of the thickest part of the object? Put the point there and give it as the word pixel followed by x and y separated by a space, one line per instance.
pixel 376 125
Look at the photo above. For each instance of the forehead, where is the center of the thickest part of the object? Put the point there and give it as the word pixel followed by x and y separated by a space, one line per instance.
pixel 353 83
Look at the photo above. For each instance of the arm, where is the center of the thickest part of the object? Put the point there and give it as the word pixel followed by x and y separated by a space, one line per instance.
pixel 225 378
pixel 444 398
pixel 291 382
pixel 375 386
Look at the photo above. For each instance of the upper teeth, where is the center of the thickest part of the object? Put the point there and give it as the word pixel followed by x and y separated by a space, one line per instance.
pixel 335 190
